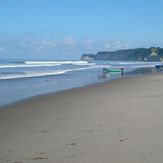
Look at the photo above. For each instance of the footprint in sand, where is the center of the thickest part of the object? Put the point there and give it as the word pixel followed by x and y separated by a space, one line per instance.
pixel 44 131
pixel 39 158
pixel 70 144
pixel 42 153
pixel 89 131
pixel 100 125
pixel 121 140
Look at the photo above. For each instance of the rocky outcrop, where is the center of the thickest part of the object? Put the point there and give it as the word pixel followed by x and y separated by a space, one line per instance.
pixel 139 54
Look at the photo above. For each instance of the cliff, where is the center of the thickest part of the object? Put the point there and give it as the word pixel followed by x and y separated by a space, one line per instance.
pixel 139 54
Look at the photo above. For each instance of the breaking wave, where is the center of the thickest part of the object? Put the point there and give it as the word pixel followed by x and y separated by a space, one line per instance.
pixel 44 64
pixel 9 75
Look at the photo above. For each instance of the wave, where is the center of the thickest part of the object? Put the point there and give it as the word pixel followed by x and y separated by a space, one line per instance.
pixel 44 64
pixel 24 65
pixel 58 62
pixel 137 63
pixel 30 75
pixel 41 74
pixel 135 66
pixel 86 65
pixel 58 72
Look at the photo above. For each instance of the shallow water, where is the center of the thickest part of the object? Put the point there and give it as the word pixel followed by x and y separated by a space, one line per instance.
pixel 24 79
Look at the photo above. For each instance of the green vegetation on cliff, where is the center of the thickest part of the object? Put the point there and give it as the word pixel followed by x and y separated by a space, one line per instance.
pixel 139 54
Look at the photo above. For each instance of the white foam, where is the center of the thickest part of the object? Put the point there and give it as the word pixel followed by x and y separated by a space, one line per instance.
pixel 62 62
pixel 59 62
pixel 29 75
pixel 41 74
pixel 46 64
pixel 24 65
pixel 138 66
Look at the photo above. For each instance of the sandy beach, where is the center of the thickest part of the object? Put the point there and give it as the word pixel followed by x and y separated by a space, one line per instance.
pixel 120 121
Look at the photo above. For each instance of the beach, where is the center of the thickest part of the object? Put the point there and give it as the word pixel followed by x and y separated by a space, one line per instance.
pixel 120 121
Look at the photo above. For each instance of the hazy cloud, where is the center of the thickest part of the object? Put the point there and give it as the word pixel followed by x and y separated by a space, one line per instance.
pixel 28 45
pixel 107 45
pixel 69 41
pixel 113 45
pixel 1 49
pixel 88 44
pixel 67 45
pixel 34 45
pixel 40 45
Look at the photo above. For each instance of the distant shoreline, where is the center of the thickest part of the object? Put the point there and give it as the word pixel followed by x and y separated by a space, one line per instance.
pixel 73 89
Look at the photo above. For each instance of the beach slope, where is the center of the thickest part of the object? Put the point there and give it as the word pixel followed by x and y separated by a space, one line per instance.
pixel 120 121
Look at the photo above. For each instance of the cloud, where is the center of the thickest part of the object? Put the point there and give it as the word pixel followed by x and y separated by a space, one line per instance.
pixel 126 46
pixel 118 44
pixel 32 45
pixel 40 45
pixel 88 44
pixel 107 45
pixel 46 45
pixel 1 49
pixel 114 45
pixel 69 41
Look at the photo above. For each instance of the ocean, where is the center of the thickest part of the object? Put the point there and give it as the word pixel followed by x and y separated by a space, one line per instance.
pixel 21 79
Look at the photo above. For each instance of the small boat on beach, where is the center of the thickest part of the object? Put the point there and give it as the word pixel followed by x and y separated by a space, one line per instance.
pixel 108 70
pixel 159 66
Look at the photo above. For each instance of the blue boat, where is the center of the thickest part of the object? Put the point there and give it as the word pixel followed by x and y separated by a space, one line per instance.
pixel 159 66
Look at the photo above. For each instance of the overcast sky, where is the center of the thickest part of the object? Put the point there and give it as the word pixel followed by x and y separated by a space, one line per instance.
pixel 65 29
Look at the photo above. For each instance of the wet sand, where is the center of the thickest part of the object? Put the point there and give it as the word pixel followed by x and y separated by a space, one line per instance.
pixel 120 121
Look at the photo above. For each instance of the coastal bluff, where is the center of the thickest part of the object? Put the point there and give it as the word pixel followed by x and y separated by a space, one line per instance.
pixel 138 54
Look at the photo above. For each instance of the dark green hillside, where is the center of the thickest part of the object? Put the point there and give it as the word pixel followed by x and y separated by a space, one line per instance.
pixel 139 54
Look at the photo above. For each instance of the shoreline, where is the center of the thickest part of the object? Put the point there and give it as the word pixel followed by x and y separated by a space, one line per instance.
pixel 119 121
pixel 58 92
pixel 21 89
pixel 71 89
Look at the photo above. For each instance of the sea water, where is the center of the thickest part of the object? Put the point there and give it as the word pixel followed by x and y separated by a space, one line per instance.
pixel 20 79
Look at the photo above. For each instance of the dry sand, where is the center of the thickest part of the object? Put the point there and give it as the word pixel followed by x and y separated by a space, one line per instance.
pixel 116 122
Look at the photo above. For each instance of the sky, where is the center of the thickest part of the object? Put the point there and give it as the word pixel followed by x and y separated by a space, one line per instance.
pixel 65 29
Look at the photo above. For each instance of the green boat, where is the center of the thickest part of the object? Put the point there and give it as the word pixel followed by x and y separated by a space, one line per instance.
pixel 107 70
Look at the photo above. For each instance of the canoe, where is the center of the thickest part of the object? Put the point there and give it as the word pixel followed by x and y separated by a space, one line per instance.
pixel 107 70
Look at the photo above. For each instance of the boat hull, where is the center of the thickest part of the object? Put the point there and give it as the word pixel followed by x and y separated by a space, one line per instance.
pixel 159 66
pixel 107 70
